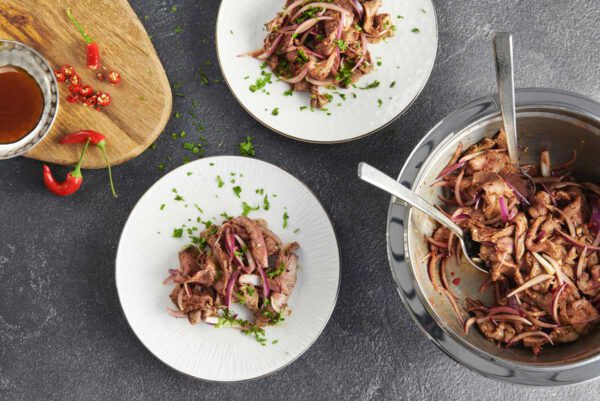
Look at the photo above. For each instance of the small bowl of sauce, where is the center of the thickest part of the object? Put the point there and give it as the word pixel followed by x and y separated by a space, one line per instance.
pixel 28 98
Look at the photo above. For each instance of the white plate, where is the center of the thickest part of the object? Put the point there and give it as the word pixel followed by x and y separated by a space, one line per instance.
pixel 407 58
pixel 147 249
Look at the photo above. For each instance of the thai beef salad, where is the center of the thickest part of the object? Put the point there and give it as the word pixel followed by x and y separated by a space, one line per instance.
pixel 240 261
pixel 539 234
pixel 313 44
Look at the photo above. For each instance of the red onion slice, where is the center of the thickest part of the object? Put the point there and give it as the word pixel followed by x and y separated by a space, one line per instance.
pixel 299 77
pixel 528 284
pixel 176 313
pixel 555 300
pixel 230 285
pixel 251 264
pixel 359 8
pixel 265 281
pixel 504 210
pixel 545 164
pixel 577 243
pixel 504 309
pixel 526 334
pixel 272 49
pixel 450 169
pixel 291 7
pixel 306 25
pixel 320 83
pixel 328 6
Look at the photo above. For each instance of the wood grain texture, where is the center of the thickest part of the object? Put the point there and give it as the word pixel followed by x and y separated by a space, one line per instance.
pixel 141 104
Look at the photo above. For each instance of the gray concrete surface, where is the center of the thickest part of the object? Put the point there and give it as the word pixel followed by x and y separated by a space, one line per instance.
pixel 62 333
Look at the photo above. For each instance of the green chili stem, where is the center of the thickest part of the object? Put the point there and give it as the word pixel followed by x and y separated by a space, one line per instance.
pixel 77 171
pixel 80 28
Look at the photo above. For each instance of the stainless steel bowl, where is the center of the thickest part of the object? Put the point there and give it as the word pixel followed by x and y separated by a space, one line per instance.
pixel 559 121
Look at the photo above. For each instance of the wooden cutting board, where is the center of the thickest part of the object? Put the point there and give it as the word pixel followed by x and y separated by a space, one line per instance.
pixel 141 104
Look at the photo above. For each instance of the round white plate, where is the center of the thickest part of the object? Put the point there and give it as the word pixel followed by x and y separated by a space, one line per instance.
pixel 406 59
pixel 147 250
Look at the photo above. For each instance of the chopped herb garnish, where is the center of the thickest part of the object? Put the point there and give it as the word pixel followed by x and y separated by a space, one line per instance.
pixel 379 102
pixel 275 111
pixel 266 203
pixel 237 190
pixel 178 233
pixel 174 9
pixel 161 166
pixel 341 44
pixel 178 29
pixel 393 84
pixel 415 30
pixel 296 231
pixel 220 182
pixel 280 269
pixel 246 147
pixel 162 207
pixel 261 81
pixel 246 208
pixel 372 85
pixel 288 92
pixel 285 219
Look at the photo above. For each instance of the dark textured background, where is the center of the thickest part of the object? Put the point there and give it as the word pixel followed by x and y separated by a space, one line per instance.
pixel 62 333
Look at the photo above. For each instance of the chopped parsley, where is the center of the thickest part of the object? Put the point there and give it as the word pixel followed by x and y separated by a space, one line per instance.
pixel 178 29
pixel 415 30
pixel 372 85
pixel 341 44
pixel 237 190
pixel 246 147
pixel 379 102
pixel 288 92
pixel 275 111
pixel 178 233
pixel 220 182
pixel 266 204
pixel 177 114
pixel 258 333
pixel 246 208
pixel 277 272
pixel 261 82
pixel 174 9
pixel 162 207
pixel 285 219
pixel 393 84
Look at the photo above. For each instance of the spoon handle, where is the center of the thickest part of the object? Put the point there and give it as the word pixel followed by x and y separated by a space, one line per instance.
pixel 407 197
pixel 503 52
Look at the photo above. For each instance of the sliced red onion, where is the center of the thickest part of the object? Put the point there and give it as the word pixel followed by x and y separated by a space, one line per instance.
pixel 265 281
pixel 594 224
pixel 517 193
pixel 320 83
pixel 549 192
pixel 460 217
pixel 380 34
pixel 477 201
pixel 251 264
pixel 504 309
pixel 291 7
pixel 230 285
pixel 450 169
pixel 313 53
pixel 363 44
pixel 581 262
pixel 278 301
pixel 510 317
pixel 555 299
pixel 340 27
pixel 566 164
pixel 504 210
pixel 328 6
pixel 176 313
pixel 470 156
pixel 272 49
pixel 251 279
pixel 566 218
pixel 538 238
pixel 306 25
pixel 577 243
pixel 530 283
pixel 439 244
pixel 359 8
pixel 545 264
pixel 526 334
pixel 469 323
pixel 299 77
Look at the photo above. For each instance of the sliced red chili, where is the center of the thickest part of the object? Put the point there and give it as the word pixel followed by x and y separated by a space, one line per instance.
pixel 103 99
pixel 114 77
pixel 75 79
pixel 72 98
pixel 74 88
pixel 90 101
pixel 67 70
pixel 100 76
pixel 60 76
pixel 86 91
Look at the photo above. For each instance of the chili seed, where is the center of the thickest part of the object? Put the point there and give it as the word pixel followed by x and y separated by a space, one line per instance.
pixel 114 77
pixel 60 76
pixel 67 70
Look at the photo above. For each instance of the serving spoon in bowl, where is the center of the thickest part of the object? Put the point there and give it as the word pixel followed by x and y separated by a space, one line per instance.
pixel 503 54
pixel 406 197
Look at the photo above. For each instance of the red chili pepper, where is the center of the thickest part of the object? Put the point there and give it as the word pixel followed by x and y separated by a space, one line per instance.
pixel 100 76
pixel 90 101
pixel 67 70
pixel 74 89
pixel 60 76
pixel 86 91
pixel 72 98
pixel 103 99
pixel 114 77
pixel 96 139
pixel 75 79
pixel 93 52
pixel 71 184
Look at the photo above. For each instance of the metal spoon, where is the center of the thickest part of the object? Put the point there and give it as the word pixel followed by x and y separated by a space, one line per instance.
pixel 406 197
pixel 503 53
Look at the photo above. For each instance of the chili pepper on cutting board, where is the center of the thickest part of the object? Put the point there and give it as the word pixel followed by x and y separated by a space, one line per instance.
pixel 73 181
pixel 93 51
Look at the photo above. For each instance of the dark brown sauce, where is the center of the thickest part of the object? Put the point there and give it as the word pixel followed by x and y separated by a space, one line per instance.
pixel 21 103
